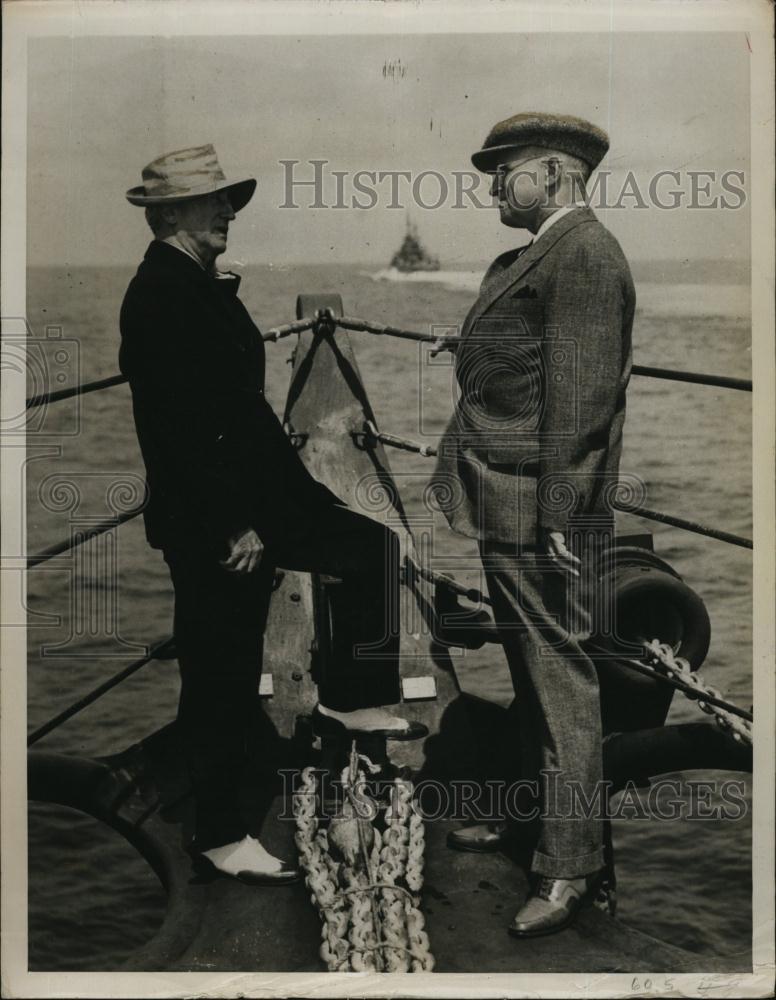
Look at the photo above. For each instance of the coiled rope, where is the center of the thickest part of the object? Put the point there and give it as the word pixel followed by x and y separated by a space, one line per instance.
pixel 365 883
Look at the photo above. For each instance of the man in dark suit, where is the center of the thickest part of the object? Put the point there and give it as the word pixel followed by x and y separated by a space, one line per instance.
pixel 230 499
pixel 528 466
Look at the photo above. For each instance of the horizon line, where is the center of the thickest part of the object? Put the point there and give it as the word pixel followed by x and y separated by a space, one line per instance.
pixel 461 266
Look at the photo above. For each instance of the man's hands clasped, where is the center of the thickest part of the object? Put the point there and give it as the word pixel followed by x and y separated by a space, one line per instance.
pixel 245 550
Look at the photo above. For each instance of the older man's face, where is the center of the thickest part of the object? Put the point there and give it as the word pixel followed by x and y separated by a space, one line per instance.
pixel 203 224
pixel 518 185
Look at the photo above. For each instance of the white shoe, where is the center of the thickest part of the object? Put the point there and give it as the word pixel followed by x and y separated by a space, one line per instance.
pixel 248 861
pixel 374 721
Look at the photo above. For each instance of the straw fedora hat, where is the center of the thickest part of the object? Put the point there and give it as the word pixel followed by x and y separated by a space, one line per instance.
pixel 188 173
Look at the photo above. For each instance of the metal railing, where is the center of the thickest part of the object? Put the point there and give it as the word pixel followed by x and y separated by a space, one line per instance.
pixel 325 321
pixel 162 650
pixel 328 321
pixel 674 375
pixel 81 536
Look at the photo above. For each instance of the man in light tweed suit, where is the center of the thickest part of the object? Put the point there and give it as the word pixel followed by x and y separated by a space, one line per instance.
pixel 527 467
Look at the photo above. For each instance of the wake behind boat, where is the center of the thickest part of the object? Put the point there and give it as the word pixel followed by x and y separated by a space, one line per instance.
pixel 466 281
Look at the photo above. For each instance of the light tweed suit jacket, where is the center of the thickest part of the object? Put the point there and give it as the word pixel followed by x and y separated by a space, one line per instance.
pixel 543 368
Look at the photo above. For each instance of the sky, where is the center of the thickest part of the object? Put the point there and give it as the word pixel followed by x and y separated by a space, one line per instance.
pixel 99 108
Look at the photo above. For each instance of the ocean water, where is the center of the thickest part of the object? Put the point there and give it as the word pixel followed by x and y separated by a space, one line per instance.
pixel 92 901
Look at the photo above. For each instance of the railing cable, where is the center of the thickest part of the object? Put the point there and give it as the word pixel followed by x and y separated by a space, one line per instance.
pixel 451 341
pixel 404 444
pixel 441 579
pixel 441 343
pixel 652 515
pixel 40 399
pixel 156 652
pixel 81 536
pixel 665 666
pixel 77 390
pixel 680 522
pixel 392 440
pixel 692 689
pixel 723 381
pixel 278 332
pixel 378 329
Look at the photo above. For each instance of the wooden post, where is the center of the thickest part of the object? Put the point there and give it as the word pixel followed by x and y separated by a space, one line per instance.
pixel 326 411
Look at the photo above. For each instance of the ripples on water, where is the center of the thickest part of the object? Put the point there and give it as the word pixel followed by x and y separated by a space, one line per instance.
pixel 92 901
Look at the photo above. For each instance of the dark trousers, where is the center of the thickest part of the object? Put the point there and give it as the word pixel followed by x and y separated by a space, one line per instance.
pixel 219 624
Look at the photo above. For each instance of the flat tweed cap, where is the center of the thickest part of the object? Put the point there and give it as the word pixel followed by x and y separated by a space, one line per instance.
pixel 188 173
pixel 565 133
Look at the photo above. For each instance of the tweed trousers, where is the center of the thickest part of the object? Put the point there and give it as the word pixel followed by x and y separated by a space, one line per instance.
pixel 544 618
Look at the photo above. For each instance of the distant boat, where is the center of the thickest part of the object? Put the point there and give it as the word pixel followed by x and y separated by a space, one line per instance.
pixel 412 255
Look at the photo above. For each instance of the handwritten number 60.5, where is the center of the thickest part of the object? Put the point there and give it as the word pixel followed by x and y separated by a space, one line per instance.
pixel 637 986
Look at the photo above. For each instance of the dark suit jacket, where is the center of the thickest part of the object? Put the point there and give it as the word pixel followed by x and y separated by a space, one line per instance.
pixel 217 459
pixel 543 369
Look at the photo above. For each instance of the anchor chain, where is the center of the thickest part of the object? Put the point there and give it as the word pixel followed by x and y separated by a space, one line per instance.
pixel 678 669
pixel 404 848
pixel 369 900
pixel 673 670
pixel 312 847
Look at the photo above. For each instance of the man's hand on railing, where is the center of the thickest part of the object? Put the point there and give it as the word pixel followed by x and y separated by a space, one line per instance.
pixel 245 549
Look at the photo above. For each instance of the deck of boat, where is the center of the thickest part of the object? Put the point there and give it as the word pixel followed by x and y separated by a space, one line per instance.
pixel 224 925
pixel 468 900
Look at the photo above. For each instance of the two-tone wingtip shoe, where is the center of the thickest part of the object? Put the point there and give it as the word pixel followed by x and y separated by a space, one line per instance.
pixel 484 838
pixel 553 904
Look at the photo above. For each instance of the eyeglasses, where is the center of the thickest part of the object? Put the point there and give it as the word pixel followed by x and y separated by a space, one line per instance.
pixel 503 170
